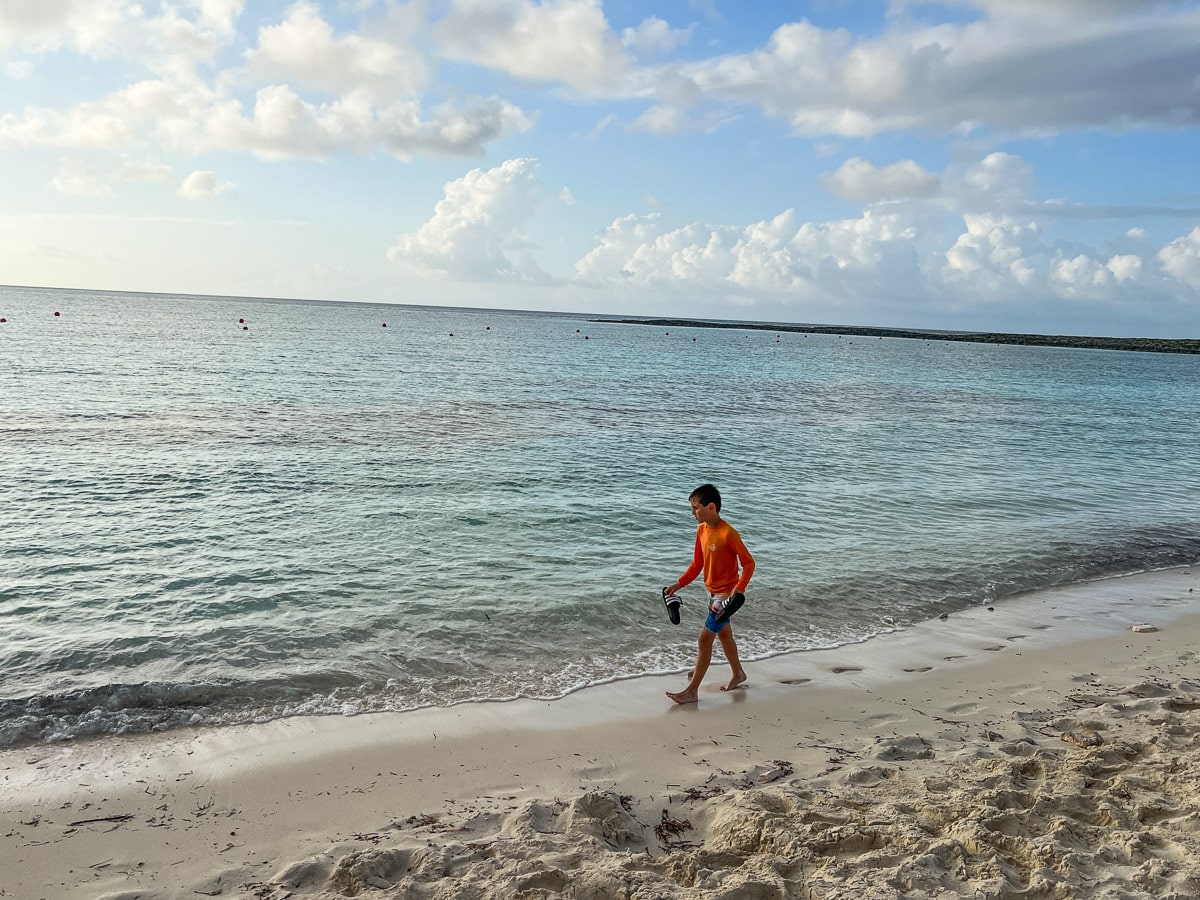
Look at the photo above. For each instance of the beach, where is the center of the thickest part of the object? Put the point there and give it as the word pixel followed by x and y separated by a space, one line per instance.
pixel 317 516
pixel 1043 746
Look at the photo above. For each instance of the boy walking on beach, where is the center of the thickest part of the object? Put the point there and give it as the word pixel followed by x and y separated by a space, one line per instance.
pixel 718 553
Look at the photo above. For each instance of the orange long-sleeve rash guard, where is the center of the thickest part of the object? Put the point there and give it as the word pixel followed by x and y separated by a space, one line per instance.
pixel 718 553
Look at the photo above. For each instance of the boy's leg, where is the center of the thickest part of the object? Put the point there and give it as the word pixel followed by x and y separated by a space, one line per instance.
pixel 704 645
pixel 729 645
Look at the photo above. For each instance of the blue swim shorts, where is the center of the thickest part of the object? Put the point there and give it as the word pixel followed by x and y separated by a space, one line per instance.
pixel 710 624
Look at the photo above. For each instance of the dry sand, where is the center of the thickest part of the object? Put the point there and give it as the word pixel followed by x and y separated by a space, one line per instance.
pixel 1042 748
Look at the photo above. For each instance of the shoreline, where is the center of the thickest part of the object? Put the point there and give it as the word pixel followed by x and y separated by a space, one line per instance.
pixel 592 791
pixel 1081 342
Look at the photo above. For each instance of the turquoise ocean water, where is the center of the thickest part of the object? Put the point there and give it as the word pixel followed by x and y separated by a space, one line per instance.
pixel 202 523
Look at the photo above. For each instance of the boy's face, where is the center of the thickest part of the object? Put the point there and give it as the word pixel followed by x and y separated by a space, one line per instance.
pixel 705 513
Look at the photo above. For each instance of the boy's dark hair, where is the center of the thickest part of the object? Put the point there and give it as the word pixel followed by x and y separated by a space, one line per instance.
pixel 706 494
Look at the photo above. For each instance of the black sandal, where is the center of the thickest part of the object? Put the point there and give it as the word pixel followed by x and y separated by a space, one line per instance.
pixel 672 601
pixel 732 605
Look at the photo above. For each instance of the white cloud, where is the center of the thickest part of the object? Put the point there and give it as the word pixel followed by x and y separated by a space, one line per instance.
pixel 1125 266
pixel 857 179
pixel 769 256
pixel 163 37
pixel 87 125
pixel 992 255
pixel 201 185
pixel 303 49
pixel 373 81
pixel 961 252
pixel 1079 276
pixel 1051 68
pixel 556 40
pixel 145 171
pixel 282 124
pixel 654 36
pixel 1181 258
pixel 219 15
pixel 89 26
pixel 76 177
pixel 18 69
pixel 663 120
pixel 476 232
pixel 999 177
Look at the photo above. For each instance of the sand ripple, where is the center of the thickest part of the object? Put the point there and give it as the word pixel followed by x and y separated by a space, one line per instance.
pixel 1093 796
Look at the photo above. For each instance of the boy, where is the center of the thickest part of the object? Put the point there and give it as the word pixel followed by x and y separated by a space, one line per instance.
pixel 719 550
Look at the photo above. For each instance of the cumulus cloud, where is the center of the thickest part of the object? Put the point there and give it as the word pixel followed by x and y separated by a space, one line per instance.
pixel 303 49
pixel 568 41
pixel 201 185
pixel 857 179
pixel 476 231
pixel 280 125
pixel 89 26
pixel 1181 258
pixel 1125 266
pixel 768 256
pixel 992 254
pixel 166 37
pixel 1030 67
pixel 1044 69
pixel 655 36
pixel 369 90
pixel 960 251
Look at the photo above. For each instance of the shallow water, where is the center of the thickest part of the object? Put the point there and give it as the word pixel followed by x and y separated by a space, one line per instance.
pixel 317 514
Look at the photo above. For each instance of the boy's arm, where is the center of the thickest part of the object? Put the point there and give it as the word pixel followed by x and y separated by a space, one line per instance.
pixel 746 560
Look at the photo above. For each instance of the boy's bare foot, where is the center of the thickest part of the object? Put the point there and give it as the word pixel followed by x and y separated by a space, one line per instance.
pixel 736 681
pixel 683 696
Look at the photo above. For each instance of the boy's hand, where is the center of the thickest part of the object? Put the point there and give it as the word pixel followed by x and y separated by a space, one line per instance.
pixel 729 607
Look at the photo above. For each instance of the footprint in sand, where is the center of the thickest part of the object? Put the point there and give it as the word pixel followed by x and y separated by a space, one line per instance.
pixel 838 670
pixel 796 681
pixel 1016 637
pixel 1042 627
pixel 949 658
pixel 993 649
pixel 920 669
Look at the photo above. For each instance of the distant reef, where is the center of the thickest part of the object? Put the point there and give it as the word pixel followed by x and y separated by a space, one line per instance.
pixel 1145 345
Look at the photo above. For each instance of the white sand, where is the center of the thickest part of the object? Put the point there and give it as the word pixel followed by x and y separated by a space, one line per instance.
pixel 1040 749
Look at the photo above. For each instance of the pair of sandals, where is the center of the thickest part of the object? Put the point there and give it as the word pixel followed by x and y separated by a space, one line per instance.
pixel 732 605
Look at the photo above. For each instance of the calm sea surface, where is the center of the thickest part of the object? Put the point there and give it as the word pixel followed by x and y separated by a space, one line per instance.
pixel 314 514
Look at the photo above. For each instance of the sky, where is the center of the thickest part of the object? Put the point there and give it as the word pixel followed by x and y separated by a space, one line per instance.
pixel 999 165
